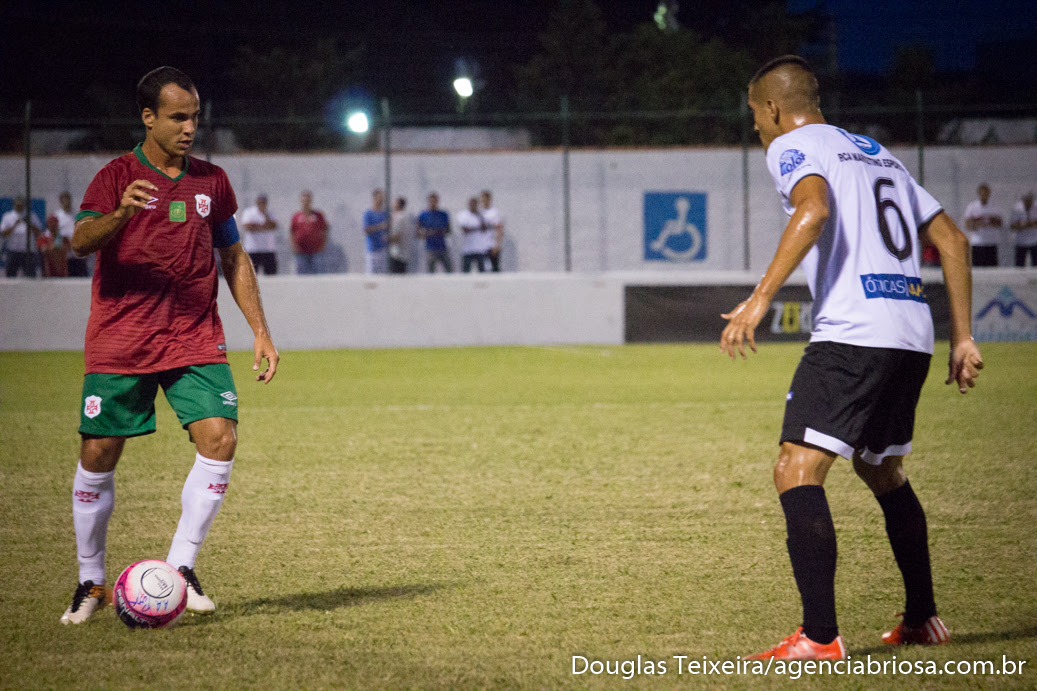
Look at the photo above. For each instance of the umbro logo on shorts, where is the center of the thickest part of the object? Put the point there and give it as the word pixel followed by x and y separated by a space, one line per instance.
pixel 229 398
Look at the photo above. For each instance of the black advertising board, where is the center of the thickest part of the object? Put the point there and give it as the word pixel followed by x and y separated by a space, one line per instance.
pixel 673 314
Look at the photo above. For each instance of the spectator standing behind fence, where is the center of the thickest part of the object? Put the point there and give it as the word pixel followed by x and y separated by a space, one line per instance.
pixel 376 232
pixel 1024 224
pixel 309 235
pixel 495 222
pixel 434 226
pixel 984 222
pixel 260 239
pixel 15 233
pixel 473 239
pixel 401 237
pixel 66 219
pixel 53 251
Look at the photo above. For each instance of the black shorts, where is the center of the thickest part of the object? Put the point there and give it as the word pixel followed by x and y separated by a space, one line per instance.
pixel 267 261
pixel 847 398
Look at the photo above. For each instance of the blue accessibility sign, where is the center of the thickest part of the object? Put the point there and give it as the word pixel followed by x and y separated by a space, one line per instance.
pixel 675 226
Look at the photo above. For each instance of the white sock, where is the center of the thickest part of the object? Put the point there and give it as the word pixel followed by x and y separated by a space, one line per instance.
pixel 93 500
pixel 203 494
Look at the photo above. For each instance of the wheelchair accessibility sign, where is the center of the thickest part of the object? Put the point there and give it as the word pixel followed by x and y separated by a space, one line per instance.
pixel 675 226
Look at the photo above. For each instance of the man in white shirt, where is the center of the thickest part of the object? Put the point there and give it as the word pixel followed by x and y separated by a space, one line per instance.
pixel 857 221
pixel 15 234
pixel 260 237
pixel 983 221
pixel 401 236
pixel 66 217
pixel 1024 225
pixel 495 222
pixel 473 238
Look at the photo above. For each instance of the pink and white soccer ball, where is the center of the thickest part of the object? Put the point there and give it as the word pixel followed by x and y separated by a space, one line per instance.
pixel 150 594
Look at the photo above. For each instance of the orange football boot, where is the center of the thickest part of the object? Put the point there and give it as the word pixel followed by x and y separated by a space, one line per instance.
pixel 932 632
pixel 799 647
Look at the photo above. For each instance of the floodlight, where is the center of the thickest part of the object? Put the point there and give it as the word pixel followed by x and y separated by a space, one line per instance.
pixel 463 87
pixel 358 122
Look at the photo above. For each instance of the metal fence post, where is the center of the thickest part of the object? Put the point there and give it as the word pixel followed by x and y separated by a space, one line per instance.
pixel 28 180
pixel 919 115
pixel 387 118
pixel 566 222
pixel 743 126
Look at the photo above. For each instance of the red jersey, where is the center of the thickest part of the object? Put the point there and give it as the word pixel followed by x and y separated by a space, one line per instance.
pixel 153 302
pixel 309 232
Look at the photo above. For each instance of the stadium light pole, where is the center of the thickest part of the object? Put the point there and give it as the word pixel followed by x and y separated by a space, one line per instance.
pixel 28 178
pixel 464 88
pixel 566 223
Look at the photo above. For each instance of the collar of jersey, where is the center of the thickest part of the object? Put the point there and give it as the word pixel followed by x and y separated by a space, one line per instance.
pixel 138 151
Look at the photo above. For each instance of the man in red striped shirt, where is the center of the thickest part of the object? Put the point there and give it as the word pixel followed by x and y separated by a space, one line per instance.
pixel 154 217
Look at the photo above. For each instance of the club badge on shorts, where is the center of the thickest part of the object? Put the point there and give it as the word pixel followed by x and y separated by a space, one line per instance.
pixel 203 204
pixel 92 406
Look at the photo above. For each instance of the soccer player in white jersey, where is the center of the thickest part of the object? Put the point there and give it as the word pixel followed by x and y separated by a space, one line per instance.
pixel 856 222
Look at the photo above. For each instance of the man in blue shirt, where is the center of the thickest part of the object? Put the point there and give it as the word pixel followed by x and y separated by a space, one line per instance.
pixel 376 230
pixel 434 226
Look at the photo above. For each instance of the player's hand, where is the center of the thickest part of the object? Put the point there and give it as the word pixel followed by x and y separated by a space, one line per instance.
pixel 741 326
pixel 264 348
pixel 965 364
pixel 135 197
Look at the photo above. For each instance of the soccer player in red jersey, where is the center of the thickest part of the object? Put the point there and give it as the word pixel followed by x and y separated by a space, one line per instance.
pixel 154 217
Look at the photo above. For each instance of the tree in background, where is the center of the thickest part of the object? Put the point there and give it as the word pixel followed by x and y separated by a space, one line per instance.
pixel 282 85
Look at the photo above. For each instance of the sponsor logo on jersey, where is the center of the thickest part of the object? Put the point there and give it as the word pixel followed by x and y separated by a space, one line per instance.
pixel 86 497
pixel 203 204
pixel 893 287
pixel 675 226
pixel 790 160
pixel 865 144
pixel 178 212
pixel 218 487
pixel 229 398
pixel 151 203
pixel 92 406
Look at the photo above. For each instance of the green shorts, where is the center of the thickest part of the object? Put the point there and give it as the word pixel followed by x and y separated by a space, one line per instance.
pixel 123 405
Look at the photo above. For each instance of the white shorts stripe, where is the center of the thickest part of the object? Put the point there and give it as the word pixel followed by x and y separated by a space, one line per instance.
pixel 894 450
pixel 812 436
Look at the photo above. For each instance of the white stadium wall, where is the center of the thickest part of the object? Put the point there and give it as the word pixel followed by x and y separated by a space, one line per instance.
pixel 608 196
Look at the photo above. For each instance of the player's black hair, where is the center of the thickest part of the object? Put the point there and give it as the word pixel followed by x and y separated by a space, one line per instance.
pixel 151 84
pixel 774 64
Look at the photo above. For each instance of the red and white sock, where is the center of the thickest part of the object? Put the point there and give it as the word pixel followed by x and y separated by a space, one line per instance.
pixel 93 500
pixel 201 499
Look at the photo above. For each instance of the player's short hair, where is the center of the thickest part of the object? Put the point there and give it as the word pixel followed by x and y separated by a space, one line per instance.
pixel 150 85
pixel 777 62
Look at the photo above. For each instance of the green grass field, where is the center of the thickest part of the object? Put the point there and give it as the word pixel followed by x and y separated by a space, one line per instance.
pixel 476 517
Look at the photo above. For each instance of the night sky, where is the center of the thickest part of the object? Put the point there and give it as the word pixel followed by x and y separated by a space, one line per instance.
pixel 51 50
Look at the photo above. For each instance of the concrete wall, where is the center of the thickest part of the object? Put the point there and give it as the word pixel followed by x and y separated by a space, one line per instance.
pixel 608 190
pixel 342 311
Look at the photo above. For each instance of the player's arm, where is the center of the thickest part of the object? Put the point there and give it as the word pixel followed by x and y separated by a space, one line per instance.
pixel 955 259
pixel 94 232
pixel 376 227
pixel 241 278
pixel 810 200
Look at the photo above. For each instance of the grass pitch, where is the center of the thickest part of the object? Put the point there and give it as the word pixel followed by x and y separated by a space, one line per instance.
pixel 477 517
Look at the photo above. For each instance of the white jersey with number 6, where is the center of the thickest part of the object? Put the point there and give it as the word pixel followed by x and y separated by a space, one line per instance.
pixel 864 270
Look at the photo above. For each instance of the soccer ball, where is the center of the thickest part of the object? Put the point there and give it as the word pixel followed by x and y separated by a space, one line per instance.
pixel 150 594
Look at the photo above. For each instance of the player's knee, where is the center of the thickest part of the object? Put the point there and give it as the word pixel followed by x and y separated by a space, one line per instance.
pixel 881 478
pixel 219 443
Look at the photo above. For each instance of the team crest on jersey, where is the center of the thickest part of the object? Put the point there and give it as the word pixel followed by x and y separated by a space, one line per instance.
pixel 92 406
pixel 203 204
pixel 790 160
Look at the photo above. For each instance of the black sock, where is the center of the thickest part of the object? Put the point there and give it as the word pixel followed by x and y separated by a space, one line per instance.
pixel 811 544
pixel 906 528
